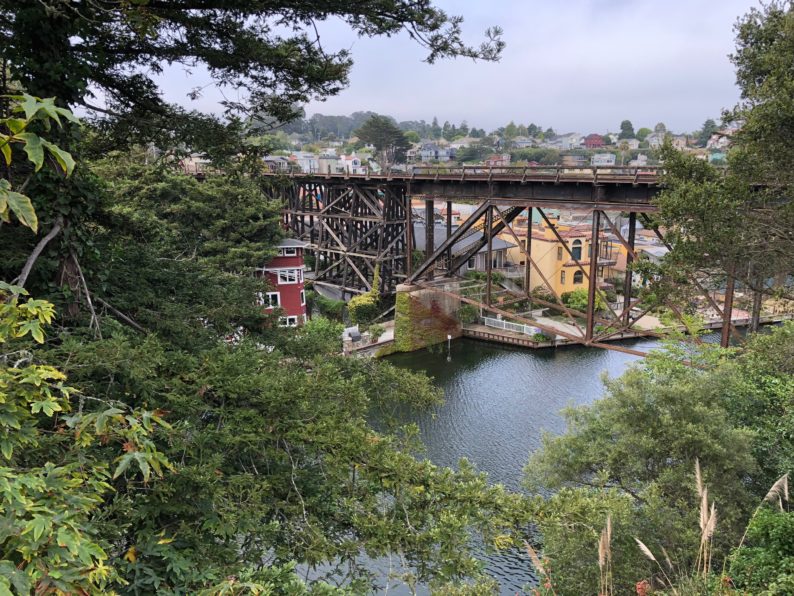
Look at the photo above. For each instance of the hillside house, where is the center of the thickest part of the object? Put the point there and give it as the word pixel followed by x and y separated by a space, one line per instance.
pixel 498 160
pixel 593 141
pixel 435 152
pixel 603 159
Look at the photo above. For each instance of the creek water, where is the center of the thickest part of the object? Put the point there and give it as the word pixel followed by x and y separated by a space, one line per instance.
pixel 498 402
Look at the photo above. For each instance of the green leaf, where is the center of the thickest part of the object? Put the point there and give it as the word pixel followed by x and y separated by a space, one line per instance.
pixel 15 577
pixel 16 125
pixel 30 105
pixel 48 106
pixel 7 449
pixel 23 209
pixel 6 149
pixel 67 539
pixel 64 158
pixel 37 525
pixel 124 463
pixel 68 115
pixel 33 147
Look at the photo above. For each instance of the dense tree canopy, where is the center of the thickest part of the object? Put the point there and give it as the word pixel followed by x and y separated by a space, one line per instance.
pixel 78 51
pixel 389 141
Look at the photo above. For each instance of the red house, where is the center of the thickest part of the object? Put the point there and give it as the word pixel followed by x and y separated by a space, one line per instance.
pixel 593 141
pixel 284 272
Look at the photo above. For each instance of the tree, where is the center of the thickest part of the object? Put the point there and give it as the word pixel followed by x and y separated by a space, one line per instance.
pixel 643 133
pixel 112 49
pixel 708 129
pixel 742 233
pixel 435 129
pixel 632 454
pixel 660 128
pixel 606 139
pixel 511 130
pixel 412 136
pixel 626 130
pixel 389 141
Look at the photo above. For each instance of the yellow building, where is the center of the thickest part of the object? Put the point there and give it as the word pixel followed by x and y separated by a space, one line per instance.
pixel 554 262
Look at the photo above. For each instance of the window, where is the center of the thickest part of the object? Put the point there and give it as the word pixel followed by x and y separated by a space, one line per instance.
pixel 576 250
pixel 272 299
pixel 303 298
pixel 471 264
pixel 288 321
pixel 578 277
pixel 290 276
pixel 562 277
pixel 559 253
pixel 290 252
pixel 524 243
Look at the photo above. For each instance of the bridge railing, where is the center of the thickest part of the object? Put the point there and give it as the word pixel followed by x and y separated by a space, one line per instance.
pixel 474 173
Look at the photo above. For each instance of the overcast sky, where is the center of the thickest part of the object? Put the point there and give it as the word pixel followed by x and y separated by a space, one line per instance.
pixel 580 65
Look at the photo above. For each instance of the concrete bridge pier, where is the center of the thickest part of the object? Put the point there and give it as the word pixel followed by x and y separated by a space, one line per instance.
pixel 423 317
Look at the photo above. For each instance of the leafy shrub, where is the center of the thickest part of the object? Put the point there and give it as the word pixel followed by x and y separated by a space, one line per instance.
pixel 364 308
pixel 376 331
pixel 468 313
pixel 765 564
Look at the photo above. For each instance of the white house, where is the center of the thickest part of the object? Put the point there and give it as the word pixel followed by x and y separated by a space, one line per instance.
pixel 570 140
pixel 308 162
pixel 603 159
pixel 351 164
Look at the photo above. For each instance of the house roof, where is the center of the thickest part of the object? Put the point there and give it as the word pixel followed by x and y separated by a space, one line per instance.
pixel 440 235
pixel 292 243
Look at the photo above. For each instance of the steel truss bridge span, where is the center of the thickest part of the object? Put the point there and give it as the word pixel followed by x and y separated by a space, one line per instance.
pixel 357 224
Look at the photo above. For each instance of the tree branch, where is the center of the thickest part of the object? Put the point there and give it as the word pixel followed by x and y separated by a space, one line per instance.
pixel 56 229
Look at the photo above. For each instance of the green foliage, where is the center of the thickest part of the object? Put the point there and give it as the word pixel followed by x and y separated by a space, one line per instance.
pixel 364 308
pixel 468 313
pixel 389 141
pixel 540 155
pixel 765 563
pixel 640 441
pixel 708 129
pixel 643 133
pixel 376 331
pixel 328 307
pixel 578 299
pixel 496 276
pixel 28 113
pixel 53 483
pixel 626 130
pixel 316 337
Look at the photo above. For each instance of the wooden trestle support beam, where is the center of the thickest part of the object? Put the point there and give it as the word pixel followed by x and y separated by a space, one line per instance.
pixel 352 228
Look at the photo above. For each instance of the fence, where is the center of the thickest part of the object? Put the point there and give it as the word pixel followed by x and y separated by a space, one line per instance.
pixel 508 326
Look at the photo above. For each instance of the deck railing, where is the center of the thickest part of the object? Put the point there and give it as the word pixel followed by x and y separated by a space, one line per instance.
pixel 508 326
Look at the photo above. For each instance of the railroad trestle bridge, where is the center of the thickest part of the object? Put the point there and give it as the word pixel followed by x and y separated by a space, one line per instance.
pixel 355 224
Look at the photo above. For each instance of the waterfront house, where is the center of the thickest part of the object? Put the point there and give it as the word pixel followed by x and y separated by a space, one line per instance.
pixel 284 274
pixel 556 263
pixel 478 262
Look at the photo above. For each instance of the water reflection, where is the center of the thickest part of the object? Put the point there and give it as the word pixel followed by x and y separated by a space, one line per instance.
pixel 498 402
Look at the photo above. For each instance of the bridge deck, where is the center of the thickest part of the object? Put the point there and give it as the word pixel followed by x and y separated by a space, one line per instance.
pixel 617 188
